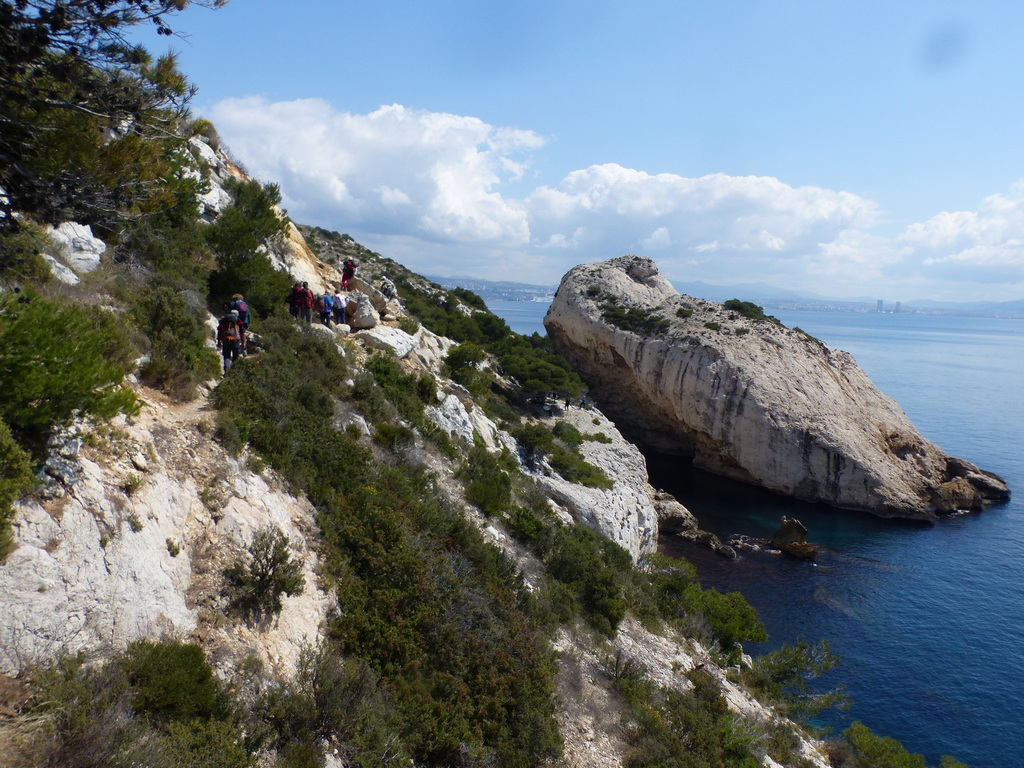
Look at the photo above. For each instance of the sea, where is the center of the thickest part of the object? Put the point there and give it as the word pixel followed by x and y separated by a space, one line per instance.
pixel 928 619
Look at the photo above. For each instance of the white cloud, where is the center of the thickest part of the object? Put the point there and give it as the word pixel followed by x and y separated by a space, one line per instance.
pixel 394 170
pixel 716 213
pixel 431 190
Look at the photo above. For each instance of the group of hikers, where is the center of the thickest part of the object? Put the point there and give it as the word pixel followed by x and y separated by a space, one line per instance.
pixel 302 303
pixel 233 328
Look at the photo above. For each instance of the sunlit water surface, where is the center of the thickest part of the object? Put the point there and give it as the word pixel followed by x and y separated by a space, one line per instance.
pixel 928 619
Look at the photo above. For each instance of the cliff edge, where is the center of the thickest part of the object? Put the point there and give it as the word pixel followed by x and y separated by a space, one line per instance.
pixel 750 399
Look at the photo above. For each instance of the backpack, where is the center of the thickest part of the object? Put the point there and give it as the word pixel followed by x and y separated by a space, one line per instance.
pixel 231 332
pixel 240 305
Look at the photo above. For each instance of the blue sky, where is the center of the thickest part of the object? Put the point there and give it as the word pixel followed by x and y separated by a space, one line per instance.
pixel 851 149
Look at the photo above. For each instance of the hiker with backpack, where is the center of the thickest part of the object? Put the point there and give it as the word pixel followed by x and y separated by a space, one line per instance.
pixel 348 271
pixel 230 338
pixel 239 303
pixel 326 306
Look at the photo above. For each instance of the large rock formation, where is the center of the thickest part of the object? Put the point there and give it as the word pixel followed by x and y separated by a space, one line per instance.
pixel 749 398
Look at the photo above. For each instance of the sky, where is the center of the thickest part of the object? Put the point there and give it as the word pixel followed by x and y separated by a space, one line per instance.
pixel 871 149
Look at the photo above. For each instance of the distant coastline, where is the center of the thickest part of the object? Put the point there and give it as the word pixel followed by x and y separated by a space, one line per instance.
pixel 767 296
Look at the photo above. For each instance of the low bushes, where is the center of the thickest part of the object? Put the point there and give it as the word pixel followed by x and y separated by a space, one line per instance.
pixel 58 362
pixel 435 612
pixel 634 320
pixel 157 704
pixel 256 582
pixel 558 447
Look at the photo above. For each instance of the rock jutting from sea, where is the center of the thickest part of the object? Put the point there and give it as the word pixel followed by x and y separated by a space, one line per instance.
pixel 747 398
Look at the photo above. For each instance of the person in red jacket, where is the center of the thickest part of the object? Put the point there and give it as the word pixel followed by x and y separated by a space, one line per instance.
pixel 306 303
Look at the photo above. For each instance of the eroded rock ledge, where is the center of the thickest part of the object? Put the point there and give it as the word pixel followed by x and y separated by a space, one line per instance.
pixel 751 399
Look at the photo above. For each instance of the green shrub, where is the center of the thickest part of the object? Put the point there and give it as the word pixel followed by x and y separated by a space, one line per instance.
pixel 338 700
pixel 16 477
pixel 782 678
pixel 731 617
pixel 883 752
pixel 684 313
pixel 539 441
pixel 487 479
pixel 21 257
pixel 394 436
pixel 236 237
pixel 179 358
pixel 590 566
pixel 568 434
pixel 408 324
pixel 256 583
pixel 692 729
pixel 713 326
pixel 748 309
pixel 156 704
pixel 462 364
pixel 59 362
pixel 173 681
pixel 634 320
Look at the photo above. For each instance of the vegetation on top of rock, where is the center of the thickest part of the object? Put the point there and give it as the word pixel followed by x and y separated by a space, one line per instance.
pixel 461 315
pixel 634 320
pixel 748 309
pixel 426 602
pixel 59 362
pixel 257 582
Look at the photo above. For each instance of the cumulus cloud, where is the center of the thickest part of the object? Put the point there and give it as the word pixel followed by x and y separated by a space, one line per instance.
pixel 716 213
pixel 395 170
pixel 986 245
pixel 432 190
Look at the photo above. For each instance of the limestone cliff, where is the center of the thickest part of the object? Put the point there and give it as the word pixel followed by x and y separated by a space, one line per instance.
pixel 749 398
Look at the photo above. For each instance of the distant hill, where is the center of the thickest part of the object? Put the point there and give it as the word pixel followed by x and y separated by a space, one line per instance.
pixel 496 290
pixel 759 293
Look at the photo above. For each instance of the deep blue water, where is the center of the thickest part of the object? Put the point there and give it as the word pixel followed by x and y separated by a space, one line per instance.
pixel 928 619
pixel 525 317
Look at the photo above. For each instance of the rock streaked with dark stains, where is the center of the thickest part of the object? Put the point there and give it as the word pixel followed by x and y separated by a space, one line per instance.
pixel 751 399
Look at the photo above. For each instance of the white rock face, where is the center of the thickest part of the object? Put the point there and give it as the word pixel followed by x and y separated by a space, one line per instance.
pixel 132 543
pixel 75 244
pixel 364 315
pixel 624 513
pixel 394 340
pixel 752 400
pixel 61 272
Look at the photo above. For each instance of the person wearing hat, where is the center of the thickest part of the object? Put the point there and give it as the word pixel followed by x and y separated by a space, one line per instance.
pixel 230 338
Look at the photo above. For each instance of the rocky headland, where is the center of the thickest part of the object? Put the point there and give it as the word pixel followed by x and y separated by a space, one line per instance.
pixel 747 398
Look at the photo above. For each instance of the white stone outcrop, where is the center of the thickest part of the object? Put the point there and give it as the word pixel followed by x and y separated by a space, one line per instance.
pixel 363 315
pixel 130 541
pixel 77 246
pixel 751 399
pixel 624 513
pixel 384 337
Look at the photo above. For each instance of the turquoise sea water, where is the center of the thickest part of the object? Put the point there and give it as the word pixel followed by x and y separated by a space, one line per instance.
pixel 928 619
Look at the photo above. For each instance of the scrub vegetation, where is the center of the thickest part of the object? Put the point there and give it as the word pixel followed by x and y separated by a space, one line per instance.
pixel 438 654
